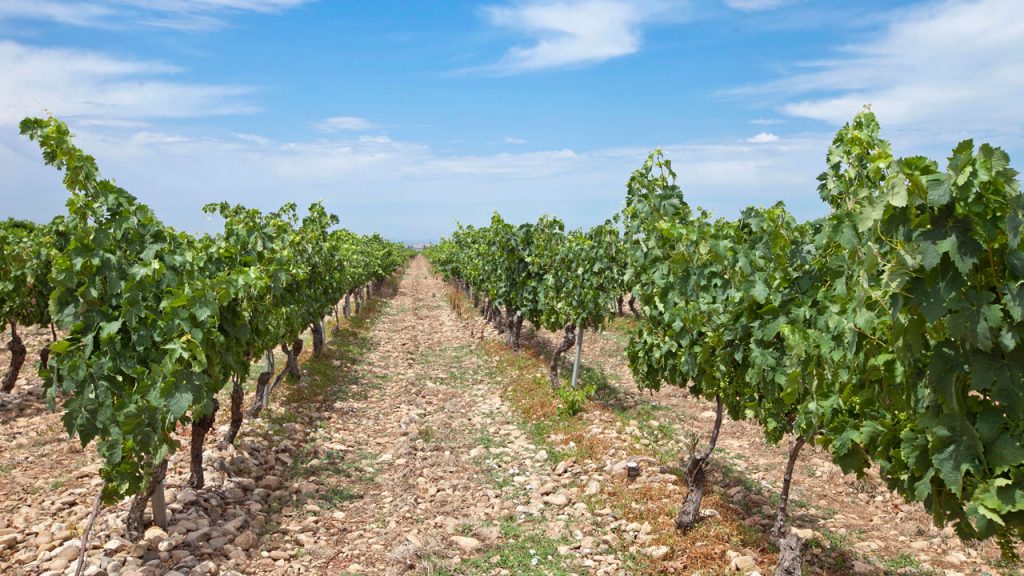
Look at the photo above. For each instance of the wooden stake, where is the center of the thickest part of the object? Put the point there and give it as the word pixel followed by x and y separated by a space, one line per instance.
pixel 159 506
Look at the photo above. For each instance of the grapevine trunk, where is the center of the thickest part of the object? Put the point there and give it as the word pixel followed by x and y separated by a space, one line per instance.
pixel 44 354
pixel 200 428
pixel 790 563
pixel 696 477
pixel 134 526
pixel 18 353
pixel 263 386
pixel 318 338
pixel 510 325
pixel 237 397
pixel 517 331
pixel 292 362
pixel 568 341
pixel 787 481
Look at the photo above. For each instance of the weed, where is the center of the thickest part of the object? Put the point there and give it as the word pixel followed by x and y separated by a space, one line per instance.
pixel 901 561
pixel 333 497
pixel 574 399
pixel 427 433
pixel 523 551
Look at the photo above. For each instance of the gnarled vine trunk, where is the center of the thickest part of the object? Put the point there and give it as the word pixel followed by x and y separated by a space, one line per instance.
pixel 568 341
pixel 510 325
pixel 618 305
pixel 44 354
pixel 696 477
pixel 200 428
pixel 134 526
pixel 292 362
pixel 18 353
pixel 790 563
pixel 517 331
pixel 237 397
pixel 632 305
pixel 317 330
pixel 337 322
pixel 498 321
pixel 787 481
pixel 345 309
pixel 263 387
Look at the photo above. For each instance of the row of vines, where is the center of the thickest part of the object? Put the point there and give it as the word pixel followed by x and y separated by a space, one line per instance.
pixel 150 324
pixel 563 281
pixel 887 332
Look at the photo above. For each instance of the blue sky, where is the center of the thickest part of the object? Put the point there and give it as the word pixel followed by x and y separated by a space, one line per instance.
pixel 405 117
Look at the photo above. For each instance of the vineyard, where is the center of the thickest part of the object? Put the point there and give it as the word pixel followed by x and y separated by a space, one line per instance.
pixel 665 392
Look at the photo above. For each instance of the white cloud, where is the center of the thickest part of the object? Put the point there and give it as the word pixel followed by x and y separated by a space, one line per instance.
pixel 211 5
pixel 574 32
pixel 79 84
pixel 252 138
pixel 74 13
pixel 180 14
pixel 946 68
pixel 343 123
pixel 767 121
pixel 756 5
pixel 511 140
pixel 405 189
pixel 114 123
pixel 762 138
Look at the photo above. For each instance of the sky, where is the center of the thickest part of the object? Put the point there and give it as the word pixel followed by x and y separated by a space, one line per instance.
pixel 405 118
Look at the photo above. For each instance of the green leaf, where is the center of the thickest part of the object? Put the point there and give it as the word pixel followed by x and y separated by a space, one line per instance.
pixel 939 192
pixel 956 449
pixel 108 329
pixel 60 346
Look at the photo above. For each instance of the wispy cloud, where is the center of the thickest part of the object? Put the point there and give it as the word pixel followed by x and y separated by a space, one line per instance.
pixel 756 5
pixel 74 13
pixel 575 32
pixel 762 138
pixel 767 121
pixel 181 14
pixel 511 140
pixel 107 90
pixel 343 124
pixel 937 69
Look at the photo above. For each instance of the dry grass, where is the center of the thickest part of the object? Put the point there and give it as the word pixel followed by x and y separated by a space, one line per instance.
pixel 527 389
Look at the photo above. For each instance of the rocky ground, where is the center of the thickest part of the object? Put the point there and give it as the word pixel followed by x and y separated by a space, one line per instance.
pixel 419 444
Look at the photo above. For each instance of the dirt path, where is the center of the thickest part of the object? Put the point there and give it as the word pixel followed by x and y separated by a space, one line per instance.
pixel 451 471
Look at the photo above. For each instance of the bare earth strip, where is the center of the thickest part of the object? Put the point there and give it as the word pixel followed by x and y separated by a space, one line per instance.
pixel 454 475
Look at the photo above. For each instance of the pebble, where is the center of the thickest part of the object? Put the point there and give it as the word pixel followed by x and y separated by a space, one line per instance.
pixel 466 543
pixel 658 552
pixel 556 500
pixel 743 564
